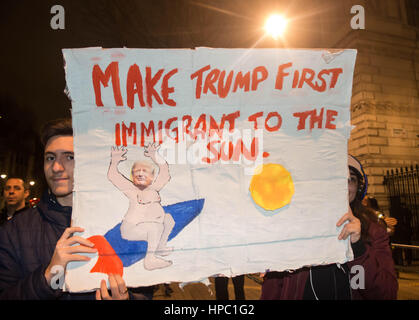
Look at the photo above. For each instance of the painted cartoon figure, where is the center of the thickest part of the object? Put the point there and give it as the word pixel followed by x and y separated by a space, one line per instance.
pixel 145 220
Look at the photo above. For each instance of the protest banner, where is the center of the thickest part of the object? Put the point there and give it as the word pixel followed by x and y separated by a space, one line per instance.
pixel 192 163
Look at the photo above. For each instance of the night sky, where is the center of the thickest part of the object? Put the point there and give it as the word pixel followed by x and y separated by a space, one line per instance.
pixel 32 72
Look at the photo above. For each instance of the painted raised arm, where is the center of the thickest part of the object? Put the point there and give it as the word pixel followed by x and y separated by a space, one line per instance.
pixel 118 154
pixel 163 177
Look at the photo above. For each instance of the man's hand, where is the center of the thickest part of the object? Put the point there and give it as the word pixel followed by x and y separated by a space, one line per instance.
pixel 118 288
pixel 65 251
pixel 391 222
pixel 352 228
pixel 118 154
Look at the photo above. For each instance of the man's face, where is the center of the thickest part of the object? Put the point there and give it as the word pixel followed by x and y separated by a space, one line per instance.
pixel 142 175
pixel 59 167
pixel 15 193
pixel 352 186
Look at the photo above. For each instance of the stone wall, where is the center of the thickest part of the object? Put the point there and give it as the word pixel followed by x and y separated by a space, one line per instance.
pixel 385 97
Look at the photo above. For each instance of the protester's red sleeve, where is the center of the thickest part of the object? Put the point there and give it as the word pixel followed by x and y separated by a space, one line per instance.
pixel 378 265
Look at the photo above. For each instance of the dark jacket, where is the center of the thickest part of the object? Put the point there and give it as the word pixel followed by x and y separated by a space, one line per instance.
pixel 27 243
pixel 375 257
pixel 3 214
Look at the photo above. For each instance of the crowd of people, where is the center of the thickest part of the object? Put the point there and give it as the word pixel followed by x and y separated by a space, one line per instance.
pixel 35 240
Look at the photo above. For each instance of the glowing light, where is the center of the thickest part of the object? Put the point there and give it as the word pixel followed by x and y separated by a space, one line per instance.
pixel 275 25
pixel 32 183
pixel 3 176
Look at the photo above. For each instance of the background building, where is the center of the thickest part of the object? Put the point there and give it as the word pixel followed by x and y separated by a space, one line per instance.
pixel 385 97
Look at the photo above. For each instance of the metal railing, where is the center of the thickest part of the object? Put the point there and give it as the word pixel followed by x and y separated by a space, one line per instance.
pixel 398 245
pixel 403 255
pixel 402 186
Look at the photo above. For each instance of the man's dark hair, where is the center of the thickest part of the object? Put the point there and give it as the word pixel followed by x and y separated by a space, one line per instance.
pixel 58 127
pixel 13 176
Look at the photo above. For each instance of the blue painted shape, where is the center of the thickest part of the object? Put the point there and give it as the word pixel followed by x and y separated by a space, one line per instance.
pixel 131 252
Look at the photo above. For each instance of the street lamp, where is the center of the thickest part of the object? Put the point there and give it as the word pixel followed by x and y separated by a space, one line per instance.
pixel 275 25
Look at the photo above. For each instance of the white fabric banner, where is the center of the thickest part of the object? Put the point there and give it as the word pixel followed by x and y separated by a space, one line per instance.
pixel 191 163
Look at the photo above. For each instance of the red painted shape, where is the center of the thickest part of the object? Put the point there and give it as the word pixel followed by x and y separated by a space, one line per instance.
pixel 108 261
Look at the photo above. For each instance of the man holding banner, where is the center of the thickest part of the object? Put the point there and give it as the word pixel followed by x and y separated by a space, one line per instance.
pixel 36 247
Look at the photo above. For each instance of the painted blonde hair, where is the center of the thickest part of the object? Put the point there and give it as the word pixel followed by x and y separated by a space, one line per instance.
pixel 143 163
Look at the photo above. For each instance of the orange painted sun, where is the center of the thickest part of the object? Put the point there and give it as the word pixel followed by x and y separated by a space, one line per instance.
pixel 271 187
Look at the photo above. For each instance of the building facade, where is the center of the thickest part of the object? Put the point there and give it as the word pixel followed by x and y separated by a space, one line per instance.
pixel 385 96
